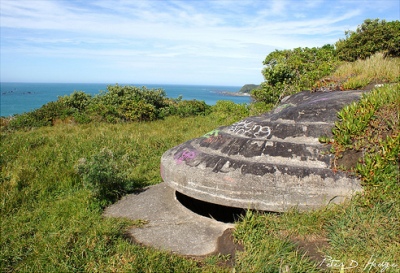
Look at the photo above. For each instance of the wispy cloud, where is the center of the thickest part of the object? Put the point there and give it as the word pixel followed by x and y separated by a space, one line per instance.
pixel 147 37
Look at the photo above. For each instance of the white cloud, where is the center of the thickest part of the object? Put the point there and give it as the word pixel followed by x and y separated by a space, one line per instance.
pixel 215 36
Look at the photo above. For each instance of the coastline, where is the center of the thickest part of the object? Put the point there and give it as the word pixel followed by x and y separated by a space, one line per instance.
pixel 17 98
pixel 233 94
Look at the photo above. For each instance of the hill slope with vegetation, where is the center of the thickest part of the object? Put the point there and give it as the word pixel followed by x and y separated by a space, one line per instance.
pixel 63 163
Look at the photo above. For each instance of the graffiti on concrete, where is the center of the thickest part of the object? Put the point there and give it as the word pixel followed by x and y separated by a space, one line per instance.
pixel 250 129
pixel 213 136
pixel 212 133
pixel 184 155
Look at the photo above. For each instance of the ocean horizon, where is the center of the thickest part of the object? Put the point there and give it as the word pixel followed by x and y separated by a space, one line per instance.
pixel 19 97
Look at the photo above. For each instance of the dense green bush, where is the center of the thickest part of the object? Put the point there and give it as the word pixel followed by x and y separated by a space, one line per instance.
pixel 78 100
pixel 188 108
pixel 116 104
pixel 290 71
pixel 131 110
pixel 103 174
pixel 370 37
pixel 229 111
pixel 43 116
pixel 128 103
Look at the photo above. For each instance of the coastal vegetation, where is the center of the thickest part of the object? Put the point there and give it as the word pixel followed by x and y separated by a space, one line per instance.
pixel 292 70
pixel 63 163
pixel 371 36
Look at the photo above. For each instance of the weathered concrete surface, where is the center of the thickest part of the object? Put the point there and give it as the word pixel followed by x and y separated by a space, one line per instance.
pixel 170 226
pixel 270 162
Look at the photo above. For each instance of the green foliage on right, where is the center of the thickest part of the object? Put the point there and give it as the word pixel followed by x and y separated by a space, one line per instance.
pixel 371 126
pixel 186 108
pixel 290 71
pixel 369 227
pixel 371 36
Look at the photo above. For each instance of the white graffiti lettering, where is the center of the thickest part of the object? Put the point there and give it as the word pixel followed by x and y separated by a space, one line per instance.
pixel 250 129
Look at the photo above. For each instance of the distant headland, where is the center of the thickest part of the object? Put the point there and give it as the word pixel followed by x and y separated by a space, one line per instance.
pixel 247 88
pixel 244 91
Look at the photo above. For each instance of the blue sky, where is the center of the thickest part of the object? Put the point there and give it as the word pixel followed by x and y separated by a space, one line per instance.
pixel 167 42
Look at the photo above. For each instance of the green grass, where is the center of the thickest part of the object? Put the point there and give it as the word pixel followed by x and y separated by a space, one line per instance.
pixel 377 68
pixel 361 73
pixel 52 222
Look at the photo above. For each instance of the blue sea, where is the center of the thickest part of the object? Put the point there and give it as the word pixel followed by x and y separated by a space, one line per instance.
pixel 17 98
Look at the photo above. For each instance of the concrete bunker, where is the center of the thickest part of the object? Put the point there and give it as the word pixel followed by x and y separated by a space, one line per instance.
pixel 271 162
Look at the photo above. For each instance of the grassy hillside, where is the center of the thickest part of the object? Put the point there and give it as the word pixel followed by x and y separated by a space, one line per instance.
pixel 51 222
pixel 51 201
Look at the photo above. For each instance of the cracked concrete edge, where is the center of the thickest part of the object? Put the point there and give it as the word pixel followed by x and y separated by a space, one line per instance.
pixel 170 226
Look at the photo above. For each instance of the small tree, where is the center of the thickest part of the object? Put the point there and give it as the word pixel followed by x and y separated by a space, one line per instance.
pixel 290 71
pixel 370 37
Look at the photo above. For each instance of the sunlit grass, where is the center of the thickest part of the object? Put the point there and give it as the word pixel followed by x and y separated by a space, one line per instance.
pixel 376 69
pixel 51 223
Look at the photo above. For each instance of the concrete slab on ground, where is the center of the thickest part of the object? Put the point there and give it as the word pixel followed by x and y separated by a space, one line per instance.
pixel 170 226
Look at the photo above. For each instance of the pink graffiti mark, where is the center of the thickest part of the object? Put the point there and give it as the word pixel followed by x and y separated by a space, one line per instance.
pixel 185 155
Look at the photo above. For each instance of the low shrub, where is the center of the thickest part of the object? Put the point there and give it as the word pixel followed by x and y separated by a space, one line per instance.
pixel 78 100
pixel 43 116
pixel 137 111
pixel 188 108
pixel 103 174
pixel 184 108
pixel 229 111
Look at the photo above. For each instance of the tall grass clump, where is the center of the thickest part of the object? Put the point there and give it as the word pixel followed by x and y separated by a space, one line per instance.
pixel 104 175
pixel 375 69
